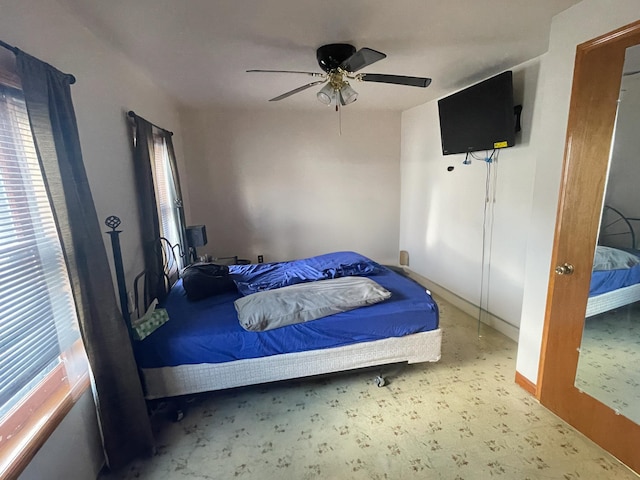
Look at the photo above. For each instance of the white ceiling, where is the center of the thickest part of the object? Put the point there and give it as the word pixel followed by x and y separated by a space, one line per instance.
pixel 199 50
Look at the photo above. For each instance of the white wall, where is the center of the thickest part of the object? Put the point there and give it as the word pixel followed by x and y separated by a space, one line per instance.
pixel 285 184
pixel 442 212
pixel 578 24
pixel 107 87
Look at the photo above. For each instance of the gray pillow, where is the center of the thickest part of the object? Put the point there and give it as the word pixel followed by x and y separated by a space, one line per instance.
pixel 608 258
pixel 306 301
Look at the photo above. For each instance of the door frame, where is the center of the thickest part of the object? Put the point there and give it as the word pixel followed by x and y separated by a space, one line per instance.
pixel 595 91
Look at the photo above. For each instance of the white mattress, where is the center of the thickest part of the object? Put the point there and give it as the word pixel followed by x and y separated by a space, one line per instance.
pixel 189 379
pixel 614 299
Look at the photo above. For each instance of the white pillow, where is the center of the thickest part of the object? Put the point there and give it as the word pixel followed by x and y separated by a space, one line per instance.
pixel 608 258
pixel 306 301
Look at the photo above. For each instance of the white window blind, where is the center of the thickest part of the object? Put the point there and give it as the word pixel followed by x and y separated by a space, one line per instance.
pixel 37 315
pixel 165 191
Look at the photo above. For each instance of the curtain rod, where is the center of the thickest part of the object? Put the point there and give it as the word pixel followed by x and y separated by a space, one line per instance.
pixel 133 114
pixel 16 50
pixel 9 47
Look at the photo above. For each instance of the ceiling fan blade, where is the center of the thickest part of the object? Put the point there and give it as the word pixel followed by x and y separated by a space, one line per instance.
pixel 362 58
pixel 296 90
pixel 313 74
pixel 396 79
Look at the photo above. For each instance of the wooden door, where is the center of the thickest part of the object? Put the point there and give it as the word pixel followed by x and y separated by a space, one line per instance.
pixel 595 91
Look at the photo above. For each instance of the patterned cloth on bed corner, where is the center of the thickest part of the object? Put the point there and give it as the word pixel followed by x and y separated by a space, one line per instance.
pixel 267 276
pixel 153 319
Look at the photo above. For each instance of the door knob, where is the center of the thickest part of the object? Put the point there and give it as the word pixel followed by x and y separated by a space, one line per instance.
pixel 566 269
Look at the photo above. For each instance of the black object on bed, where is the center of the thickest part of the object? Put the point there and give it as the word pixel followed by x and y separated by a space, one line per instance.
pixel 202 280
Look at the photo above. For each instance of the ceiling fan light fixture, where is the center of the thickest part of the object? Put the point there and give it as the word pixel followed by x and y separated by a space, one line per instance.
pixel 326 94
pixel 347 94
pixel 340 62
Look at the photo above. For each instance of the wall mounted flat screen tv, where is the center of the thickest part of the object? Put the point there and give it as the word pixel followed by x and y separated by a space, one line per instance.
pixel 480 117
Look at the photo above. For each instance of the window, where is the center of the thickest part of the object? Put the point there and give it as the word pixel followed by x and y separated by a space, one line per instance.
pixel 42 363
pixel 165 189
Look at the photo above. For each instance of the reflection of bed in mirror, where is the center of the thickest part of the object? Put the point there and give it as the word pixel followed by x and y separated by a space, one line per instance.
pixel 615 279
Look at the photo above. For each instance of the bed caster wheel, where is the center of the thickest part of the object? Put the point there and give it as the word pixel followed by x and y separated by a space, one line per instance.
pixel 380 381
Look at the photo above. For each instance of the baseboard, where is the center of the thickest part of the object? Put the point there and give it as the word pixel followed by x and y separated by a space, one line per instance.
pixel 526 384
pixel 467 307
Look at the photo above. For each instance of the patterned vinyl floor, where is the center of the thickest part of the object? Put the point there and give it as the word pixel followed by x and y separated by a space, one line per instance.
pixel 461 418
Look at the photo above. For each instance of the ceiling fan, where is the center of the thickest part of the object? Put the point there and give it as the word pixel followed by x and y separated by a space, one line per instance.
pixel 340 62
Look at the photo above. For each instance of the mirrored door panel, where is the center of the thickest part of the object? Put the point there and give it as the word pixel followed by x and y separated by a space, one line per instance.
pixel 609 355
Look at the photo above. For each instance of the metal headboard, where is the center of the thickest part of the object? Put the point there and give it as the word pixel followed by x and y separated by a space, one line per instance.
pixel 170 272
pixel 616 229
pixel 168 254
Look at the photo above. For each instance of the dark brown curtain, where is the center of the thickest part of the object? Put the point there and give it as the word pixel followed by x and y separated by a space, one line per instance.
pixel 143 154
pixel 143 157
pixel 122 412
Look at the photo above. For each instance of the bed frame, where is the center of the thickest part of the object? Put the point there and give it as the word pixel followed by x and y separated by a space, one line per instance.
pixel 190 379
pixel 616 230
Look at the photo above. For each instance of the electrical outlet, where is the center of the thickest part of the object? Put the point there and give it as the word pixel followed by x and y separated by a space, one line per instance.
pixel 260 259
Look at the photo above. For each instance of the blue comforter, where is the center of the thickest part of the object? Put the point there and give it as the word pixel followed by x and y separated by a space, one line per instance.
pixel 267 276
pixel 603 281
pixel 208 331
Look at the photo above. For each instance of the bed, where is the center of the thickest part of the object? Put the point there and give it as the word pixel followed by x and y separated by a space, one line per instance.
pixel 202 346
pixel 615 280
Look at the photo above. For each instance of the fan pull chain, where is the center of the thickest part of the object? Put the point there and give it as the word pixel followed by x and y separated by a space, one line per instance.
pixel 339 110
